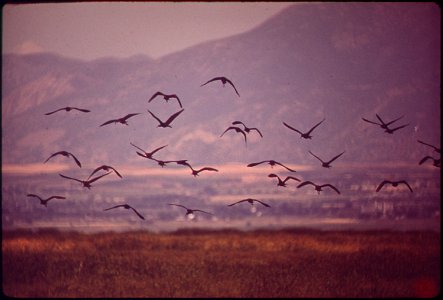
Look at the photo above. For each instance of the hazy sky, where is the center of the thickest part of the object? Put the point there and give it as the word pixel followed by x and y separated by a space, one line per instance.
pixel 98 29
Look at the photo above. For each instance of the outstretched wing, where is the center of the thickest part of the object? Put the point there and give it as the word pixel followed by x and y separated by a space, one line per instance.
pixel 142 155
pixel 116 172
pixel 379 118
pixel 213 79
pixel 155 95
pixel 33 195
pixel 389 123
pixel 291 177
pixel 305 183
pixel 178 205
pixel 108 122
pixel 257 163
pixel 55 197
pixel 138 214
pixel 159 148
pixel 371 122
pixel 76 160
pixel 292 128
pixel 332 187
pixel 67 177
pixel 229 128
pixel 81 109
pixel 129 116
pixel 238 123
pixel 171 118
pixel 50 113
pixel 425 159
pixel 435 148
pixel 399 127
pixel 98 177
pixel 203 211
pixel 261 202
pixel 237 202
pixel 230 82
pixel 256 129
pixel 207 169
pixel 160 121
pixel 409 187
pixel 136 146
pixel 176 97
pixel 280 164
pixel 52 155
pixel 315 156
pixel 120 205
pixel 382 184
pixel 316 125
pixel 335 157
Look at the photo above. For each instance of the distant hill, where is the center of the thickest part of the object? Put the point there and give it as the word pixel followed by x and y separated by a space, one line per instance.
pixel 338 61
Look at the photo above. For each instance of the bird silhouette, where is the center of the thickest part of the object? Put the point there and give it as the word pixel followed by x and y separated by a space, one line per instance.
pixel 393 183
pixel 195 172
pixel 121 120
pixel 105 168
pixel 168 121
pixel 247 129
pixel 318 188
pixel 272 163
pixel 435 162
pixel 147 154
pixel 86 183
pixel 250 201
pixel 190 211
pixel 326 164
pixel 282 182
pixel 68 108
pixel 224 80
pixel 45 201
pixel 237 129
pixel 436 149
pixel 127 206
pixel 382 124
pixel 305 135
pixel 166 97
pixel 67 154
pixel 391 130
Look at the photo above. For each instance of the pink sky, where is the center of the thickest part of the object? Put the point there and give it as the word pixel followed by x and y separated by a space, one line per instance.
pixel 123 29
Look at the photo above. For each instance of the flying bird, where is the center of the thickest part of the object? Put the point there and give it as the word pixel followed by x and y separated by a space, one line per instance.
pixel 45 201
pixel 436 149
pixel 190 211
pixel 147 154
pixel 282 182
pixel 195 172
pixel 86 183
pixel 247 129
pixel 105 168
pixel 326 164
pixel 67 154
pixel 224 80
pixel 68 108
pixel 127 206
pixel 393 183
pixel 237 129
pixel 318 188
pixel 168 121
pixel 391 131
pixel 305 135
pixel 166 97
pixel 250 201
pixel 382 124
pixel 272 163
pixel 121 120
pixel 435 162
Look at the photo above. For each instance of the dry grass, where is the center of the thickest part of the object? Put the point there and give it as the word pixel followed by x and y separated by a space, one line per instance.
pixel 286 263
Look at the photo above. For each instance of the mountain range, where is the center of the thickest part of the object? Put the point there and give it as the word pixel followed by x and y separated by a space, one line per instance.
pixel 335 61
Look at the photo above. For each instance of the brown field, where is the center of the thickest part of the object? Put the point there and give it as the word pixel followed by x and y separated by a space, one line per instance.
pixel 227 263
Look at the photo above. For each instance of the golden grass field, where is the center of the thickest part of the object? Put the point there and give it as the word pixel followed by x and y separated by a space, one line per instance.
pixel 225 263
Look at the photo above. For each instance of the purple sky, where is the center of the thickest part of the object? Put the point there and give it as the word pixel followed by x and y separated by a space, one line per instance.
pixel 126 28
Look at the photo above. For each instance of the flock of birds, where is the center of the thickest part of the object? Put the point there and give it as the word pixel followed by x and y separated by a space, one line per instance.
pixel 244 131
